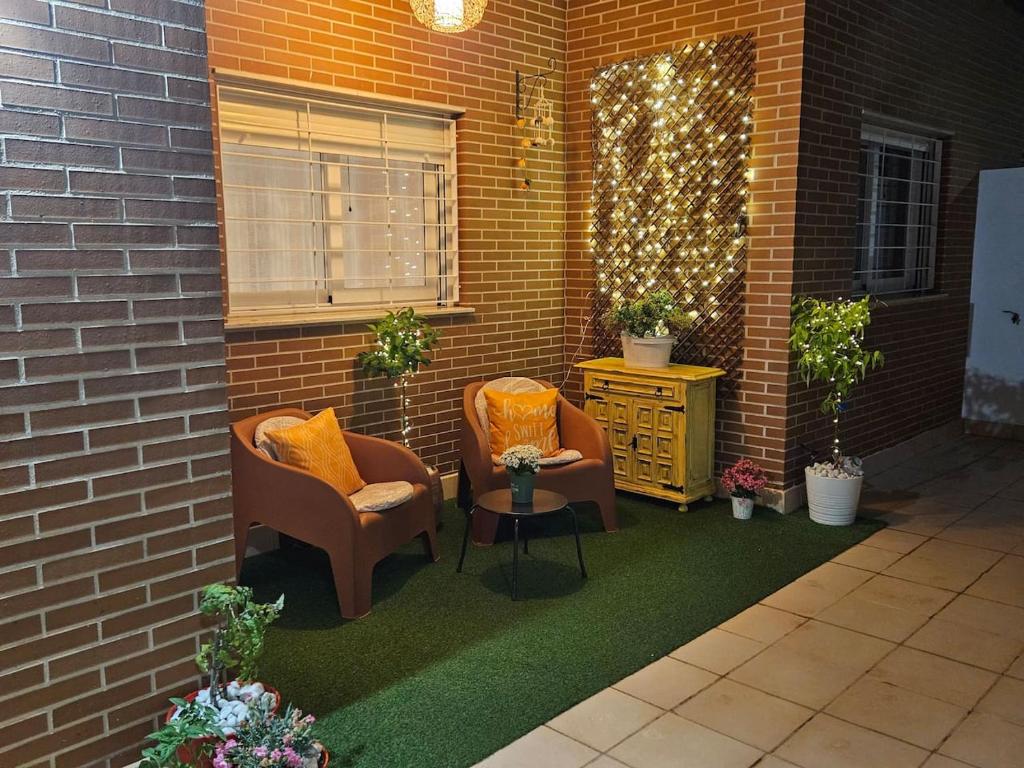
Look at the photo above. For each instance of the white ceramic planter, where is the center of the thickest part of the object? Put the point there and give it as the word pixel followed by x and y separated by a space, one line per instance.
pixel 832 500
pixel 647 352
pixel 742 508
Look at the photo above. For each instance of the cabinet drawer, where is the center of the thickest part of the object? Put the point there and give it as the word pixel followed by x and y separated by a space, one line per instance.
pixel 659 390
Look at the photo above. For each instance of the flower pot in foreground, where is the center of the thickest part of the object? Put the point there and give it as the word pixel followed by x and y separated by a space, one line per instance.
pixel 832 500
pixel 521 485
pixel 647 352
pixel 742 508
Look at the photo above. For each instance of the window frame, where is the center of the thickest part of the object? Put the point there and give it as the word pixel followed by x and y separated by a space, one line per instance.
pixel 287 92
pixel 918 274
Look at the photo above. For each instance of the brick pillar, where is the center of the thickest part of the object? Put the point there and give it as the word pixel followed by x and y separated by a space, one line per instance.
pixel 114 473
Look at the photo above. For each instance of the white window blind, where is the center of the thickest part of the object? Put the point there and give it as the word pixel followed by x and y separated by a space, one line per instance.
pixel 330 205
pixel 897 217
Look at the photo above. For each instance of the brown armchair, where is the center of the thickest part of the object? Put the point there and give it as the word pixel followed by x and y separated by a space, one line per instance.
pixel 301 505
pixel 587 479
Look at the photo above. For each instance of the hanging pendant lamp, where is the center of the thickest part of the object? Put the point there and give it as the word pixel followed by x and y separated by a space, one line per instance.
pixel 449 15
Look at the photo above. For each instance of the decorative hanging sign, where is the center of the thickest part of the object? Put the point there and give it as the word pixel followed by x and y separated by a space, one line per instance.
pixel 535 119
pixel 671 145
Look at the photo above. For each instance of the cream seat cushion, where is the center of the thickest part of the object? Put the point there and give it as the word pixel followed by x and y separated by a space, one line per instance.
pixel 263 443
pixel 516 385
pixel 376 497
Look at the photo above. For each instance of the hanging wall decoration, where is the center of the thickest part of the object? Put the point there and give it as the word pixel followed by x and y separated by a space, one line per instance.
pixel 671 144
pixel 535 120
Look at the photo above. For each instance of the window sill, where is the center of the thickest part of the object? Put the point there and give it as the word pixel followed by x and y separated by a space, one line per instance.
pixel 330 317
pixel 901 301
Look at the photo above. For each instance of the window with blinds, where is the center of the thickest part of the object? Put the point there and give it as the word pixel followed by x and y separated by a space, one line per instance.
pixel 897 216
pixel 332 205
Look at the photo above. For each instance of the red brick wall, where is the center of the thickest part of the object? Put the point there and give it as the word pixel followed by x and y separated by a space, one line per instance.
pixel 957 66
pixel 752 416
pixel 113 464
pixel 511 243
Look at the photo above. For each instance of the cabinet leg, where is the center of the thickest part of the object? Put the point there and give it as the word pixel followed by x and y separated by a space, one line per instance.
pixel 684 508
pixel 709 498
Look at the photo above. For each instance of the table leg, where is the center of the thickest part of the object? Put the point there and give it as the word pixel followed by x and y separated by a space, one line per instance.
pixel 515 558
pixel 579 547
pixel 526 539
pixel 465 538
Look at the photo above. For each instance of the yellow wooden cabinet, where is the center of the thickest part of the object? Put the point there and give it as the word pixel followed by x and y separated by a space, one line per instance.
pixel 661 425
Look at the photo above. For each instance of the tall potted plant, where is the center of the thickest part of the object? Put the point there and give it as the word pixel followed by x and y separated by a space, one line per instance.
pixel 647 326
pixel 404 339
pixel 827 337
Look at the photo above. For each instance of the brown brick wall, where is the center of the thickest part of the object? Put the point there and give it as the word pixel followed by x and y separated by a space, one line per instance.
pixel 951 65
pixel 113 465
pixel 511 243
pixel 752 415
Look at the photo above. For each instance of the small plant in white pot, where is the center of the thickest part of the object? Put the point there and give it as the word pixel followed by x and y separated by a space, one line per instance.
pixel 522 462
pixel 744 480
pixel 827 337
pixel 648 326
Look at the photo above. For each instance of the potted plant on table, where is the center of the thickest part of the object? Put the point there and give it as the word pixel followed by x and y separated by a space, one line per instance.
pixel 522 462
pixel 744 480
pixel 647 327
pixel 827 337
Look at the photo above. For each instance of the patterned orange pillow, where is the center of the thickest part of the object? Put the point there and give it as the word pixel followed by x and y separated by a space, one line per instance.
pixel 526 418
pixel 317 446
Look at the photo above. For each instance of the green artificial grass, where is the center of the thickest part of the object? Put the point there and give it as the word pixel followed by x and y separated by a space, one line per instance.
pixel 447 669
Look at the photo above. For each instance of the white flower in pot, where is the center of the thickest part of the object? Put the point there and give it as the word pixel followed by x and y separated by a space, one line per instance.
pixel 648 326
pixel 744 480
pixel 522 462
pixel 827 336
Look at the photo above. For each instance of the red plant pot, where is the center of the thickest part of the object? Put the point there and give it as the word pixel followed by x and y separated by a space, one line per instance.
pixel 191 754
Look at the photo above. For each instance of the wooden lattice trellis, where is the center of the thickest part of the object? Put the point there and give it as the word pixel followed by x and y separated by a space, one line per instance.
pixel 670 136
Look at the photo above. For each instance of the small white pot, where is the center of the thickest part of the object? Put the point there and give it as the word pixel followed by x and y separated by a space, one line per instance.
pixel 647 352
pixel 832 500
pixel 742 508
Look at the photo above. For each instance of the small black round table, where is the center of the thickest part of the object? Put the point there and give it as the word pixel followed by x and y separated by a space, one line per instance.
pixel 500 503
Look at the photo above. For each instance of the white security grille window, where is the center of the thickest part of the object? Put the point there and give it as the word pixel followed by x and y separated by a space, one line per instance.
pixel 333 205
pixel 897 212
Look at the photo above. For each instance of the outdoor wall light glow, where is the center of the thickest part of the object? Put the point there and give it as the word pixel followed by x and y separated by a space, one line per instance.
pixel 449 15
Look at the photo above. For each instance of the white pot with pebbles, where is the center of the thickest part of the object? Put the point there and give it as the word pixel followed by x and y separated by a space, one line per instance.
pixel 833 493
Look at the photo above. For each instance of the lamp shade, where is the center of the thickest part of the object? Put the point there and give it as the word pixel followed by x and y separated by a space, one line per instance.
pixel 449 15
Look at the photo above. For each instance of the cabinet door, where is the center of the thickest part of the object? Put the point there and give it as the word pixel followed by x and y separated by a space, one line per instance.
pixel 612 413
pixel 658 438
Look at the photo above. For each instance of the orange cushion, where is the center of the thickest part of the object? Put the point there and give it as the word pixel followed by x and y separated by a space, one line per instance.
pixel 527 418
pixel 317 446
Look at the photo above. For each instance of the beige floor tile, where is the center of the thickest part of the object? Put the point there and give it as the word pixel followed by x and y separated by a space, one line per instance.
pixel 925 517
pixel 1004 582
pixel 934 676
pixel 672 742
pixel 815 591
pixel 906 595
pixel 986 615
pixel 771 761
pixel 997 524
pixel 943 564
pixel 897 712
pixel 604 719
pixel 604 761
pixel 812 665
pixel 718 651
pixel 967 644
pixel 941 761
pixel 746 714
pixel 867 558
pixel 666 683
pixel 986 741
pixel 541 748
pixel 871 618
pixel 1006 699
pixel 1013 491
pixel 759 622
pixel 1017 669
pixel 894 541
pixel 826 742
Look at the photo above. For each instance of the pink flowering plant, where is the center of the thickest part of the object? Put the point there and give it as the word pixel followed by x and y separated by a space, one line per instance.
pixel 284 741
pixel 744 479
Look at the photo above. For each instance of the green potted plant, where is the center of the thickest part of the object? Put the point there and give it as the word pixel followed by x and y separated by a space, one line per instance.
pixel 827 337
pixel 235 645
pixel 404 341
pixel 647 326
pixel 522 462
pixel 186 740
